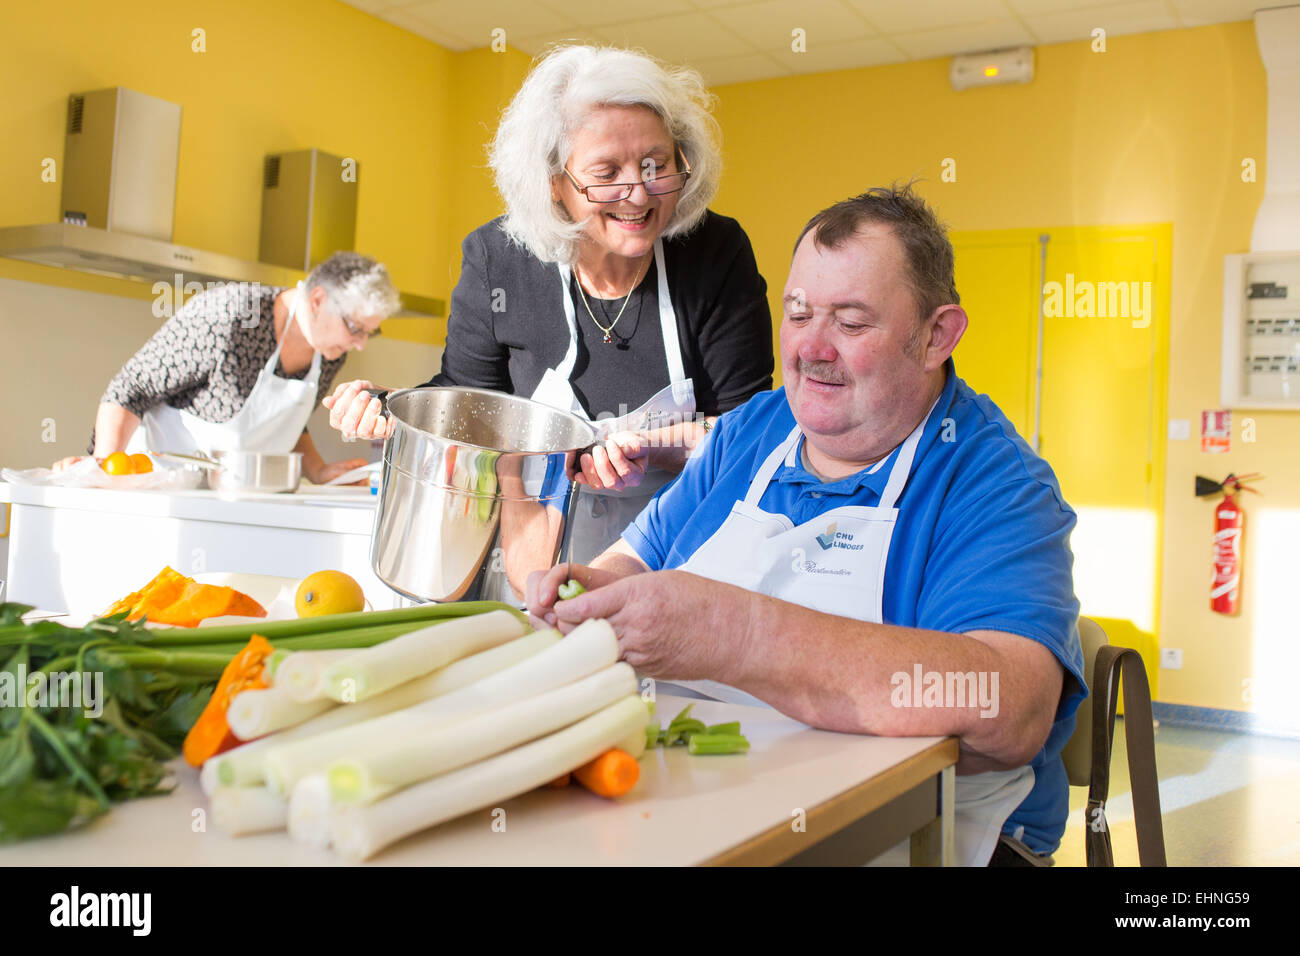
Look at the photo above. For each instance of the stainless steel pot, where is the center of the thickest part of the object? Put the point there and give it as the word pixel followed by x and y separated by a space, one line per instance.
pixel 473 485
pixel 246 471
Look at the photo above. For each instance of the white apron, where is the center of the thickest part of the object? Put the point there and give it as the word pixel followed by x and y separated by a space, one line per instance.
pixel 270 420
pixel 836 564
pixel 600 516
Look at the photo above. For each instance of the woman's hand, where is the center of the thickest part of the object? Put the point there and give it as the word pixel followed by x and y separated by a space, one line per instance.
pixel 326 472
pixel 356 413
pixel 63 464
pixel 617 463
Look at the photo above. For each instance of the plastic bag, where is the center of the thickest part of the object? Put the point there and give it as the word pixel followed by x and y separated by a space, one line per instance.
pixel 88 474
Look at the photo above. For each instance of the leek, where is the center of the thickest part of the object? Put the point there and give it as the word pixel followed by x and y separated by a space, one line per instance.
pixel 388 763
pixel 299 673
pixel 241 810
pixel 359 832
pixel 264 710
pixel 309 811
pixel 588 648
pixel 242 766
pixel 383 667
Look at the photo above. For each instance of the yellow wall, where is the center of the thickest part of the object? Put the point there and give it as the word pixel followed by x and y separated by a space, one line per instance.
pixel 1153 130
pixel 275 76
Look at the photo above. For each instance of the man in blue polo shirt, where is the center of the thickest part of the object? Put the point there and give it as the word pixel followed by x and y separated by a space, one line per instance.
pixel 871 548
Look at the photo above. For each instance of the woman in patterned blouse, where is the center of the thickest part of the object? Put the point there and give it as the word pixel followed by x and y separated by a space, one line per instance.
pixel 204 363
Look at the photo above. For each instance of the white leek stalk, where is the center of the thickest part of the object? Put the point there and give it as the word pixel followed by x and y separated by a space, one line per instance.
pixel 300 672
pixel 259 711
pixel 376 669
pixel 309 811
pixel 241 810
pixel 242 766
pixel 360 832
pixel 588 648
pixel 386 763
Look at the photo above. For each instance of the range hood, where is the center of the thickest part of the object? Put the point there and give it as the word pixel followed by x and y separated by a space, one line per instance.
pixel 118 195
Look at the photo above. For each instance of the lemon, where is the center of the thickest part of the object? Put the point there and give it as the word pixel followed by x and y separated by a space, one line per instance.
pixel 328 592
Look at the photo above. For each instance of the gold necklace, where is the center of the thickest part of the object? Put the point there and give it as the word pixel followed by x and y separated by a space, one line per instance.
pixel 626 300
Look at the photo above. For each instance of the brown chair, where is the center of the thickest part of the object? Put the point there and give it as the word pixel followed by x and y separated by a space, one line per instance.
pixel 1087 752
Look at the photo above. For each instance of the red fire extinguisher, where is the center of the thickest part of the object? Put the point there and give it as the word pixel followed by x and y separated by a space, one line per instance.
pixel 1229 524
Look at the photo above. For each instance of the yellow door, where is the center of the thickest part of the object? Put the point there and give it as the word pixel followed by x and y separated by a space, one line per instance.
pixel 1104 293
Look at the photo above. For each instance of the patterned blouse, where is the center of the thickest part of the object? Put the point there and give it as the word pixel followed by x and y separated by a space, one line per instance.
pixel 205 359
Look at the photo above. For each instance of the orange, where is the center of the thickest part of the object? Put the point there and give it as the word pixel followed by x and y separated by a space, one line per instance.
pixel 143 464
pixel 118 463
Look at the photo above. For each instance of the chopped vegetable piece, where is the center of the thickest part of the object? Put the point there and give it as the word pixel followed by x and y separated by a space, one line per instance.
pixel 717 744
pixel 210 734
pixel 687 727
pixel 650 705
pixel 560 782
pixel 730 728
pixel 570 589
pixel 652 732
pixel 612 774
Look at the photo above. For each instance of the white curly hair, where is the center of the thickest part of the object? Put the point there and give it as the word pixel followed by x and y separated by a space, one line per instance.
pixel 534 138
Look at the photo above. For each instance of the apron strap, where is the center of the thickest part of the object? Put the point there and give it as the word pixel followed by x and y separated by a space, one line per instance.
pixel 313 374
pixel 565 369
pixel 769 466
pixel 667 328
pixel 1112 664
pixel 902 469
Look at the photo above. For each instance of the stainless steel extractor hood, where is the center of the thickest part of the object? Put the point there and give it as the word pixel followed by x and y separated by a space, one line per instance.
pixel 120 147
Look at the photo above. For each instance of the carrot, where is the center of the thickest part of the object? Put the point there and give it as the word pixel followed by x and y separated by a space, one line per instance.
pixel 612 774
pixel 210 734
pixel 559 783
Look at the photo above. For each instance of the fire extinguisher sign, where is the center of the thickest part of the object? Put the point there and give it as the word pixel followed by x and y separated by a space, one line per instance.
pixel 1216 431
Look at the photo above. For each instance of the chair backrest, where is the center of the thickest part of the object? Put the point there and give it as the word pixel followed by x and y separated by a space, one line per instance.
pixel 1077 754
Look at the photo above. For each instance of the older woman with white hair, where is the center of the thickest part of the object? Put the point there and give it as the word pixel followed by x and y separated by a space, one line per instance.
pixel 241 366
pixel 608 289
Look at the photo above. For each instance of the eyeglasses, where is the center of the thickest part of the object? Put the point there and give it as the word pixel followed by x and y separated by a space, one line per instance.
pixel 616 192
pixel 357 331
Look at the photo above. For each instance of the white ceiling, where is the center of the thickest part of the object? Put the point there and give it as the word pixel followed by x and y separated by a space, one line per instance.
pixel 731 41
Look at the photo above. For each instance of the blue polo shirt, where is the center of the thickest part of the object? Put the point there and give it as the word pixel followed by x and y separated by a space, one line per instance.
pixel 981 543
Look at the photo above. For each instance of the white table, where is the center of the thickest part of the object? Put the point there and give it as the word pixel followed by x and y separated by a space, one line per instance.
pixel 865 793
pixel 80 549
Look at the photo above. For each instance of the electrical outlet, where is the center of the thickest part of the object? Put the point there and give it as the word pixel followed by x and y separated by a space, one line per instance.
pixel 1171 658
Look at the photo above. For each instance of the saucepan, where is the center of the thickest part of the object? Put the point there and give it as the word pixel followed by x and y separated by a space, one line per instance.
pixel 245 471
pixel 474 493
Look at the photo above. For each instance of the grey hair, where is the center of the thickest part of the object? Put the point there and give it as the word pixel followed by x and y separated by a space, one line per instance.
pixel 356 285
pixel 534 138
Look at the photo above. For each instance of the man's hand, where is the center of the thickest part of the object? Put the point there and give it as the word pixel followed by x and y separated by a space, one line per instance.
pixel 356 413
pixel 326 472
pixel 542 590
pixel 670 624
pixel 619 462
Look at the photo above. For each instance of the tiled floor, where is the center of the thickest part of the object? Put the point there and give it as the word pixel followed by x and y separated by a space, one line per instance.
pixel 1227 800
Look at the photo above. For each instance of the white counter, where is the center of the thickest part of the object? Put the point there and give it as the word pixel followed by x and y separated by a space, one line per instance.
pixel 80 549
